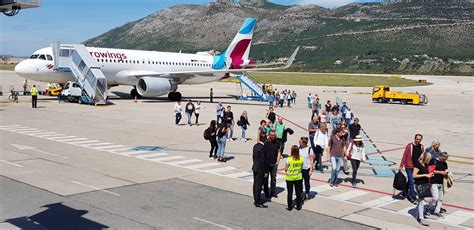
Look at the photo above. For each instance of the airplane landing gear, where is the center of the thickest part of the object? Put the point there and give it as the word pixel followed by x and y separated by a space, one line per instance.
pixel 174 96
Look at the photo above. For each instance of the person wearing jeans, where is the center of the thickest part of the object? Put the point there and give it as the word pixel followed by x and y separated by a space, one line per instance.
pixel 410 157
pixel 177 111
pixel 337 147
pixel 189 109
pixel 308 165
pixel 221 141
pixel 437 188
pixel 422 176
pixel 244 123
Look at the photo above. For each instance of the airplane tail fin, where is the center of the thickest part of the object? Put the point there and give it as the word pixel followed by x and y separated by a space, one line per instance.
pixel 238 51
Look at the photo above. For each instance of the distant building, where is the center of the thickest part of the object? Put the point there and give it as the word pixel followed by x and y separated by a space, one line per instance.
pixel 225 1
pixel 338 62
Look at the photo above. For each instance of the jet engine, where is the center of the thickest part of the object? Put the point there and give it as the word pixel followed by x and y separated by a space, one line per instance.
pixel 153 86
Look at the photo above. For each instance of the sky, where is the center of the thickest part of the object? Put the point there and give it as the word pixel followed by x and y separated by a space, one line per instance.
pixel 74 21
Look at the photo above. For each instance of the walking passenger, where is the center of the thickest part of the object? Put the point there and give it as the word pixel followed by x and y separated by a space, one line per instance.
pixel 410 158
pixel 289 99
pixel 294 178
pixel 262 129
pixel 229 118
pixel 437 182
pixel 327 107
pixel 335 118
pixel 293 96
pixel 212 134
pixel 279 127
pixel 243 123
pixel 273 155
pixel 337 148
pixel 308 165
pixel 219 112
pixel 434 149
pixel 197 111
pixel 313 126
pixel 189 111
pixel 321 141
pixel 259 169
pixel 315 108
pixel 271 115
pixel 177 111
pixel 422 178
pixel 211 96
pixel 356 154
pixel 354 129
pixel 221 140
pixel 310 100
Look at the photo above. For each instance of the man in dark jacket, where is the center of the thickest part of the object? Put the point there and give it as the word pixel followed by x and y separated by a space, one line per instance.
pixel 273 155
pixel 259 169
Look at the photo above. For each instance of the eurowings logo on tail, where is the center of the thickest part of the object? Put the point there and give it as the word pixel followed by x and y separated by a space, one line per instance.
pixel 237 53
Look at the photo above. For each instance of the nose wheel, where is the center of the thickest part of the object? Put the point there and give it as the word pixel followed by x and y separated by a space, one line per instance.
pixel 174 96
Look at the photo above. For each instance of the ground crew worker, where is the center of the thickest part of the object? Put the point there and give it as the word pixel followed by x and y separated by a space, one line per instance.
pixel 25 85
pixel 211 94
pixel 34 96
pixel 294 177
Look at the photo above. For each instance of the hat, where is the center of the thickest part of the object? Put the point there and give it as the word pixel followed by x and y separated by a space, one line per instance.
pixel 358 138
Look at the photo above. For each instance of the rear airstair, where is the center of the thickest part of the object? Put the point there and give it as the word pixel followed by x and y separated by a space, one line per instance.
pixel 75 59
pixel 258 94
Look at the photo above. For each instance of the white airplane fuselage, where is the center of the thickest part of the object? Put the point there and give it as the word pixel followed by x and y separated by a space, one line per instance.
pixel 113 61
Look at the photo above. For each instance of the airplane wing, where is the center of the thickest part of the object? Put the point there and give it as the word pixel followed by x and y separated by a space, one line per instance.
pixel 143 73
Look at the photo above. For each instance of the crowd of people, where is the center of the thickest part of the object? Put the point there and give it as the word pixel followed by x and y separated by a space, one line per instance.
pixel 280 99
pixel 334 132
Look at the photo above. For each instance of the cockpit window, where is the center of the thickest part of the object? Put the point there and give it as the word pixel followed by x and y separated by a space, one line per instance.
pixel 34 56
pixel 42 57
pixel 49 57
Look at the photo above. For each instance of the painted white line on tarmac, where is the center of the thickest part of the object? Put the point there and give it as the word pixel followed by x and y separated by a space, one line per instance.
pixel 205 165
pixel 82 142
pixel 220 170
pixel 457 217
pixel 167 158
pixel 23 130
pixel 14 127
pixel 381 201
pixel 239 174
pixel 32 131
pixel 96 188
pixel 40 134
pixel 348 195
pixel 60 138
pixel 322 188
pixel 71 140
pixel 52 135
pixel 95 144
pixel 184 162
pixel 7 126
pixel 210 222
pixel 153 155
pixel 11 163
pixel 109 147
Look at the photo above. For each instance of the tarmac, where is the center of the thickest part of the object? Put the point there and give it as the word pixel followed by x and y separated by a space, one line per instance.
pixel 129 161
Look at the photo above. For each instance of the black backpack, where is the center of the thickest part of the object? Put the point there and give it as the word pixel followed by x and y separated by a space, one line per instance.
pixel 207 134
pixel 399 181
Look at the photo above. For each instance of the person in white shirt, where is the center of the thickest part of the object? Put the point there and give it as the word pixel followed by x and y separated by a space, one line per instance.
pixel 308 165
pixel 177 111
pixel 197 111
pixel 321 141
pixel 356 153
pixel 289 100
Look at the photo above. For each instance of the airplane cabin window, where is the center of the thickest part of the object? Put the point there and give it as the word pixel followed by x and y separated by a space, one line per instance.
pixel 42 57
pixel 34 56
pixel 49 57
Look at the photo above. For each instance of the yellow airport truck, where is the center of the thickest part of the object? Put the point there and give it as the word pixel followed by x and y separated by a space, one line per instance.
pixel 382 94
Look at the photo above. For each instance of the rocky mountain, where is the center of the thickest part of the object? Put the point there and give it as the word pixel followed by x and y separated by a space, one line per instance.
pixel 414 36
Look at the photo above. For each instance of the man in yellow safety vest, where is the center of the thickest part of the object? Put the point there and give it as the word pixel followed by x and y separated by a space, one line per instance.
pixel 34 96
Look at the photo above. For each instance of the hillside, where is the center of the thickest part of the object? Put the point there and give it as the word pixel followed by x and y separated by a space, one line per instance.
pixel 421 37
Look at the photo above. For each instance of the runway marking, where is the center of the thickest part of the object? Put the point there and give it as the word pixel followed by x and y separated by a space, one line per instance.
pixel 32 131
pixel 12 128
pixel 22 130
pixel 167 158
pixel 7 126
pixel 348 195
pixel 185 162
pixel 381 201
pixel 83 142
pixel 220 170
pixel 71 140
pixel 96 188
pixel 109 147
pixel 39 134
pixel 457 218
pixel 239 174
pixel 135 153
pixel 52 135
pixel 322 188
pixel 59 138
pixel 210 222
pixel 11 163
pixel 200 166
pixel 95 144
pixel 153 155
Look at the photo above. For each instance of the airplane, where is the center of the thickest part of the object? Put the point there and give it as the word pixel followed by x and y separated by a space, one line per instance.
pixel 153 73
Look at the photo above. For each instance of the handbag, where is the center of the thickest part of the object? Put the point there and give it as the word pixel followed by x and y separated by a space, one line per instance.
pixel 424 190
pixel 399 181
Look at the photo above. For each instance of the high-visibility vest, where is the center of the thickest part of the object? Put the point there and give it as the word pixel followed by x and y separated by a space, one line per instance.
pixel 34 91
pixel 294 169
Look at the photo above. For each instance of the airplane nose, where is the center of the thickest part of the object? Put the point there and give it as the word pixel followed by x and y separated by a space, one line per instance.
pixel 21 69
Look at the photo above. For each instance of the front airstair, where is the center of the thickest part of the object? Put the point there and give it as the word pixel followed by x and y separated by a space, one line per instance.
pixel 258 94
pixel 75 59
